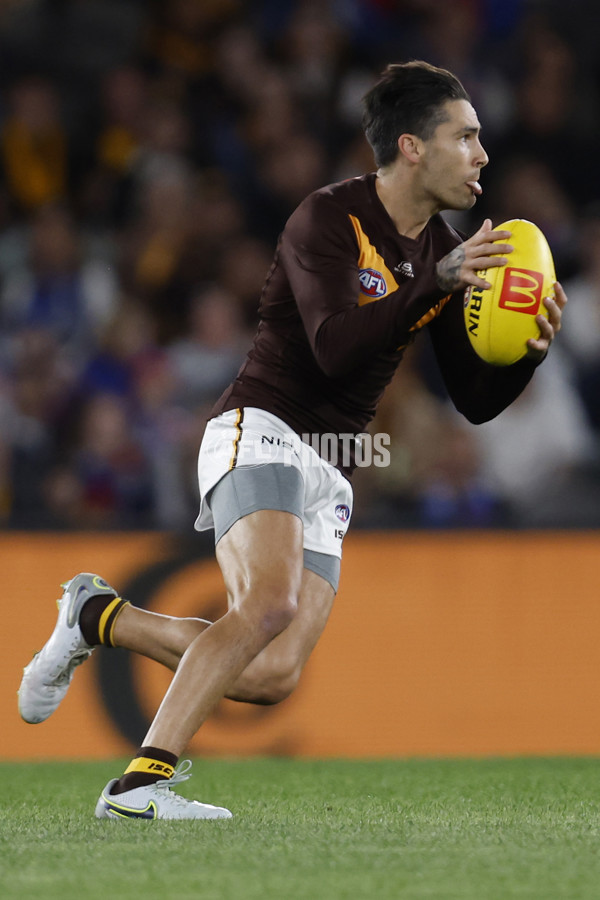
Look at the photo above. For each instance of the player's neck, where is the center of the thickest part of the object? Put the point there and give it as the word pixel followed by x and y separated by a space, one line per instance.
pixel 409 212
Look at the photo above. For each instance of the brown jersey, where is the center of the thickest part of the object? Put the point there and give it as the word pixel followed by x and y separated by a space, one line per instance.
pixel 344 297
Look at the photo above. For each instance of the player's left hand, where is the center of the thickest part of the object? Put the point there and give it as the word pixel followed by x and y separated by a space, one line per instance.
pixel 549 327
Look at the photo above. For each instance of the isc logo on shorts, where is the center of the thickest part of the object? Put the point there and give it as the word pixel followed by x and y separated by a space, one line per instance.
pixel 372 283
pixel 521 291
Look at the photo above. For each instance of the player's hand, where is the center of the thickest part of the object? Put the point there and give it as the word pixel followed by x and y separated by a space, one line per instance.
pixel 549 327
pixel 461 266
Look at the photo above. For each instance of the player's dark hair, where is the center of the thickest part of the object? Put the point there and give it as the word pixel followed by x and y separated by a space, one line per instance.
pixel 407 99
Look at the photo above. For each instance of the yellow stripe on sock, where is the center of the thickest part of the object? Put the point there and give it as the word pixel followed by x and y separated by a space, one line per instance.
pixel 111 640
pixel 105 617
pixel 152 766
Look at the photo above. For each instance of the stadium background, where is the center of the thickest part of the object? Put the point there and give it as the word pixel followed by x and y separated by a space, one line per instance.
pixel 150 154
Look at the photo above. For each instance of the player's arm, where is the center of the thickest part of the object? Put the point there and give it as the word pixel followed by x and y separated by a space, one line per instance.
pixel 478 390
pixel 319 252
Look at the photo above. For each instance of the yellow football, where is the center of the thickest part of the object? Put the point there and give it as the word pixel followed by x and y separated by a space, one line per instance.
pixel 501 319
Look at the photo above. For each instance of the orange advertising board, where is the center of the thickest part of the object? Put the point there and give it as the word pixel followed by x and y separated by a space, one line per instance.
pixel 439 644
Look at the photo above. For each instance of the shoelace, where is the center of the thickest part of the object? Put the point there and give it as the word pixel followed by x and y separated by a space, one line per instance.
pixel 181 773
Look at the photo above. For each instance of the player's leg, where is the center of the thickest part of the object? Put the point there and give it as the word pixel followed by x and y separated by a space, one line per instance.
pixel 159 637
pixel 277 485
pixel 327 505
pixel 268 679
pixel 321 496
pixel 91 613
pixel 272 675
pixel 263 579
pixel 326 500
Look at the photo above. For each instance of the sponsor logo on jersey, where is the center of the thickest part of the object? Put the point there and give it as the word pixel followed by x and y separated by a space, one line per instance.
pixel 405 269
pixel 372 283
pixel 342 512
pixel 521 291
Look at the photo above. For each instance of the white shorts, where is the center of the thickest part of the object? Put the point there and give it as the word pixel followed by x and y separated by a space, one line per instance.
pixel 253 437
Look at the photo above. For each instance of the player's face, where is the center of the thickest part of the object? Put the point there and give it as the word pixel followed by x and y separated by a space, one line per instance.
pixel 453 158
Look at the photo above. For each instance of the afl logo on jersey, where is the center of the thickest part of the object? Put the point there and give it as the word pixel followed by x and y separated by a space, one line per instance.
pixel 342 512
pixel 372 283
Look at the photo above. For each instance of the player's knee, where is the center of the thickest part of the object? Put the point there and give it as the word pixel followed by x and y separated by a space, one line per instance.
pixel 278 615
pixel 271 610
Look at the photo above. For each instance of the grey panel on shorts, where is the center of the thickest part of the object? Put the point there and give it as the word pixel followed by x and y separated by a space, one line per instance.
pixel 325 565
pixel 247 489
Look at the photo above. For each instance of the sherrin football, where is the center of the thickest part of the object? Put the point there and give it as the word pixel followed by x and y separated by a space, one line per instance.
pixel 501 319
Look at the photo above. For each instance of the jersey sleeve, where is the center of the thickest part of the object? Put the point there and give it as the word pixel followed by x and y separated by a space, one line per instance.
pixel 477 389
pixel 319 253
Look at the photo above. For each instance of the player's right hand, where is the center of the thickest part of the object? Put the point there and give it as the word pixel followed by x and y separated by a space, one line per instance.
pixel 464 265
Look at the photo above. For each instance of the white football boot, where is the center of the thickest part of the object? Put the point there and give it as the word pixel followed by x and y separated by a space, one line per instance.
pixel 157 801
pixel 47 678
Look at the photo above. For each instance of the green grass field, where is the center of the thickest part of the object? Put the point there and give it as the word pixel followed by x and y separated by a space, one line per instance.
pixel 444 829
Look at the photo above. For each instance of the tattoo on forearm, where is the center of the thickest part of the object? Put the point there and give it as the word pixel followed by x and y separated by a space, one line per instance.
pixel 448 270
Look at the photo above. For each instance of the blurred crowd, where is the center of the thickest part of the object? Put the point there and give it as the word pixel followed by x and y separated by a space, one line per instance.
pixel 150 153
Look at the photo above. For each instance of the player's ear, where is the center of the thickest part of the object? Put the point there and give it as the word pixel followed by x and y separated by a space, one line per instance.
pixel 410 146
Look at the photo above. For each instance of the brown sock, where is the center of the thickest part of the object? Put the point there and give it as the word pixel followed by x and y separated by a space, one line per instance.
pixel 150 764
pixel 97 619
